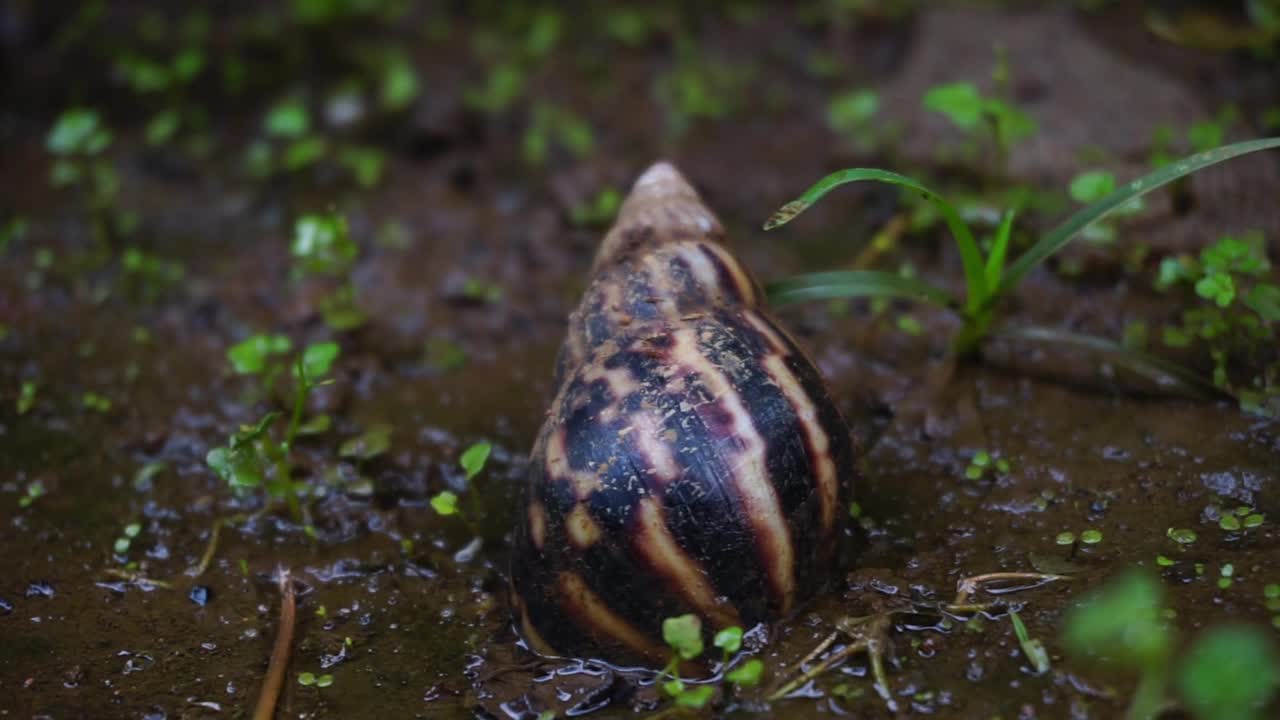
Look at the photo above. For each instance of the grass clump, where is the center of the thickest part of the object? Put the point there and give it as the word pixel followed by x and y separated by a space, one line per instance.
pixel 989 276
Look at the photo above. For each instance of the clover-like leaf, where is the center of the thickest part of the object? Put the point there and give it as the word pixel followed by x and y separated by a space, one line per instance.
pixel 729 639
pixel 474 458
pixel 684 634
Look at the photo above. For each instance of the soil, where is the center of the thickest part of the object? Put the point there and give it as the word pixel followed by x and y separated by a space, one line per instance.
pixel 395 601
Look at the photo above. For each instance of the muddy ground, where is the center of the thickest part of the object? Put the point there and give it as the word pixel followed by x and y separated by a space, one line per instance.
pixel 405 626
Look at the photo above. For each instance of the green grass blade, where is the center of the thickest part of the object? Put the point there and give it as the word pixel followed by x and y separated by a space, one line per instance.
pixel 970 255
pixel 999 249
pixel 853 283
pixel 1149 366
pixel 1057 238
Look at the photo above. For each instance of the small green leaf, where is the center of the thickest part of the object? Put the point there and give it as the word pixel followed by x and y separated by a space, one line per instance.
pixel 444 354
pixel 1229 522
pixel 852 111
pixel 322 244
pixel 1092 186
pixel 26 396
pixel 249 357
pixel 445 503
pixel 1065 538
pixel 960 102
pixel 162 127
pixel 306 679
pixel 318 358
pixel 474 458
pixel 78 131
pixel 1265 300
pixel 1218 287
pixel 324 681
pixel 695 697
pixel 145 477
pixel 684 634
pixel 1031 647
pixel 1091 537
pixel 288 119
pixel 365 163
pixel 747 674
pixel 304 152
pixel 1182 536
pixel 315 426
pixel 729 639
pixel 399 83
pixel 373 442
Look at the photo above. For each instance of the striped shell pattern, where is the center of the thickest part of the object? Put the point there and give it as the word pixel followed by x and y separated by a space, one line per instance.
pixel 692 460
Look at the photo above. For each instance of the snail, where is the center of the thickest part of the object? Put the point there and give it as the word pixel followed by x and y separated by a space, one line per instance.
pixel 692 460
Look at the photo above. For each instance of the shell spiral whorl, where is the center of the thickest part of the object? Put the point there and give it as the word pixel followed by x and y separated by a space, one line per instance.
pixel 692 460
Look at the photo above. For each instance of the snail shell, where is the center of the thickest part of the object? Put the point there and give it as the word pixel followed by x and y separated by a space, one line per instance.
pixel 692 460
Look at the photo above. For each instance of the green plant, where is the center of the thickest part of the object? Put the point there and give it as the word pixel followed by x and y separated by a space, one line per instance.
pixel 1090 187
pixel 322 247
pixel 307 679
pixel 554 126
pixel 148 275
pixel 520 39
pixel 599 211
pixel 697 87
pixel 987 276
pixel 35 490
pixel 1200 136
pixel 161 78
pixel 967 108
pixel 472 461
pixel 78 142
pixel 853 116
pixel 1229 671
pixel 290 143
pixel 1236 317
pixel 983 463
pixel 684 636
pixel 13 231
pixel 26 396
pixel 253 459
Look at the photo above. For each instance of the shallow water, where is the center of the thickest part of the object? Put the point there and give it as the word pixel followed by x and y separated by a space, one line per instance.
pixel 407 627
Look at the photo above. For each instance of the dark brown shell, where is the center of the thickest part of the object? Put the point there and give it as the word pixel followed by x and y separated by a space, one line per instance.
pixel 692 460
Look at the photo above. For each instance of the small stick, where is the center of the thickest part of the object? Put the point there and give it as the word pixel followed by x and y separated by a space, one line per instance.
pixel 968 586
pixel 836 658
pixel 274 681
pixel 136 578
pixel 209 549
